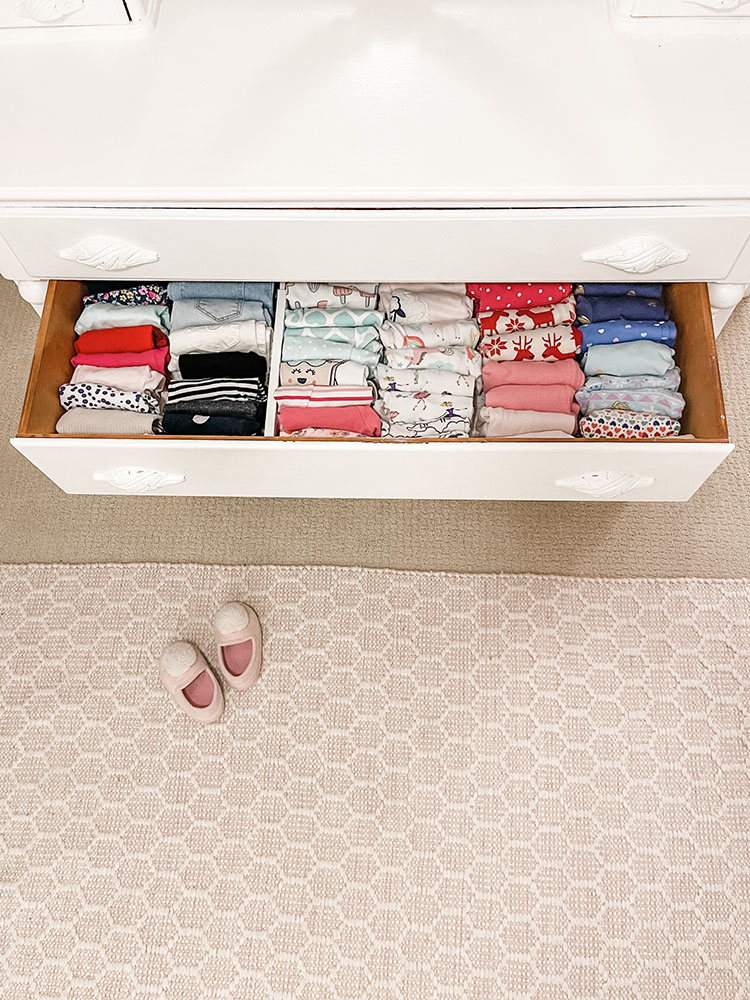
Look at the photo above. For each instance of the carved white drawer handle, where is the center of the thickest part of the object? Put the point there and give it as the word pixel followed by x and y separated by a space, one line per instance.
pixel 605 485
pixel 132 479
pixel 638 255
pixel 46 11
pixel 717 4
pixel 108 254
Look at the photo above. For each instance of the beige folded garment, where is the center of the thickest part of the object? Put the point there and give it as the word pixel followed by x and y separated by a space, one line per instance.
pixel 135 378
pixel 495 421
pixel 85 422
pixel 543 434
pixel 425 303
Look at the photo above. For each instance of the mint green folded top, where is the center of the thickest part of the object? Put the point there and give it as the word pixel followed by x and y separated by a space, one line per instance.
pixel 357 336
pixel 333 317
pixel 106 315
pixel 313 349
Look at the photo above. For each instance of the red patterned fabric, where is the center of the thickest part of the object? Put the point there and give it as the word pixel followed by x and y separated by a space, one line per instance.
pixel 516 296
pixel 553 344
pixel 511 320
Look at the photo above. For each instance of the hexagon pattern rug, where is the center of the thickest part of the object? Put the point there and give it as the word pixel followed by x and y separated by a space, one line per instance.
pixel 443 786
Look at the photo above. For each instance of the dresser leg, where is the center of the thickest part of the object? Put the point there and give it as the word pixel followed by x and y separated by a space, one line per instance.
pixel 34 292
pixel 724 298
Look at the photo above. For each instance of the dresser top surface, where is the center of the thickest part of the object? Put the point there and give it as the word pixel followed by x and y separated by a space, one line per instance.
pixel 375 102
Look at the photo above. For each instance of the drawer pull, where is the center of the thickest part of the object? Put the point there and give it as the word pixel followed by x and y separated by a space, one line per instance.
pixel 638 255
pixel 46 11
pixel 605 485
pixel 133 479
pixel 108 254
pixel 718 4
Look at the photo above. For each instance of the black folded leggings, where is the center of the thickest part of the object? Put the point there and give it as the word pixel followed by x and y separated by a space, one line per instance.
pixel 209 424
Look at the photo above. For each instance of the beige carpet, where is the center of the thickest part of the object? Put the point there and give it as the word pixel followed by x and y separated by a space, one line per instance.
pixel 709 536
pixel 443 786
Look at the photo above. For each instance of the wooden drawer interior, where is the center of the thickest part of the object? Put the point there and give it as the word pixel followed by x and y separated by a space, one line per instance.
pixel 704 417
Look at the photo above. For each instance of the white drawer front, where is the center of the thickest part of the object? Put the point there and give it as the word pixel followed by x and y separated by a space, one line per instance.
pixel 406 245
pixel 473 470
pixel 685 8
pixel 61 13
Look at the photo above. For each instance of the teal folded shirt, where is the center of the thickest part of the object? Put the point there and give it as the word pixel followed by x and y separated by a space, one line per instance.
pixel 106 315
pixel 334 317
pixel 357 336
pixel 313 349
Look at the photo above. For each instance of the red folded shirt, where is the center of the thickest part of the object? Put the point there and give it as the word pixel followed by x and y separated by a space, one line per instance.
pixel 155 359
pixel 542 398
pixel 516 296
pixel 120 340
pixel 362 420
pixel 566 372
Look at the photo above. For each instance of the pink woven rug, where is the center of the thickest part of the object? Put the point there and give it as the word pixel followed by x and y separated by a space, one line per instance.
pixel 443 786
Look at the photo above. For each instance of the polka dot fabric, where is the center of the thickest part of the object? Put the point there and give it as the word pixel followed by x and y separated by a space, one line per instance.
pixel 104 397
pixel 619 425
pixel 516 296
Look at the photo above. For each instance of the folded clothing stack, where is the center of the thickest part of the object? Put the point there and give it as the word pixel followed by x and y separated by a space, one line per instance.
pixel 330 351
pixel 530 373
pixel 540 331
pixel 530 398
pixel 119 365
pixel 427 381
pixel 631 388
pixel 219 344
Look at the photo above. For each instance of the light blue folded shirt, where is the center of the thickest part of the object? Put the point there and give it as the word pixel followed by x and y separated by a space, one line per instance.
pixel 313 349
pixel 106 315
pixel 665 402
pixel 669 381
pixel 357 336
pixel 639 357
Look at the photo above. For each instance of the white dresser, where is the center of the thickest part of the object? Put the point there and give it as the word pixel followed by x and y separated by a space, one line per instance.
pixel 50 14
pixel 461 140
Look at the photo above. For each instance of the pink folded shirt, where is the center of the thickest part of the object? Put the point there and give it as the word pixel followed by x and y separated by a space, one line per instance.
pixel 156 359
pixel 319 432
pixel 516 296
pixel 323 395
pixel 363 420
pixel 568 372
pixel 543 398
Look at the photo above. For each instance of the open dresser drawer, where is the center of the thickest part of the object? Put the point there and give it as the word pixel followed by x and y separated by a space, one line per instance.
pixel 655 470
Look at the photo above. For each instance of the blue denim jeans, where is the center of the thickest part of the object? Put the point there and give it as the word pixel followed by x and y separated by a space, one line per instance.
pixel 252 291
pixel 209 312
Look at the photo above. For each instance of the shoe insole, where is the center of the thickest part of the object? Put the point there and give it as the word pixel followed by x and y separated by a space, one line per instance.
pixel 200 692
pixel 237 657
